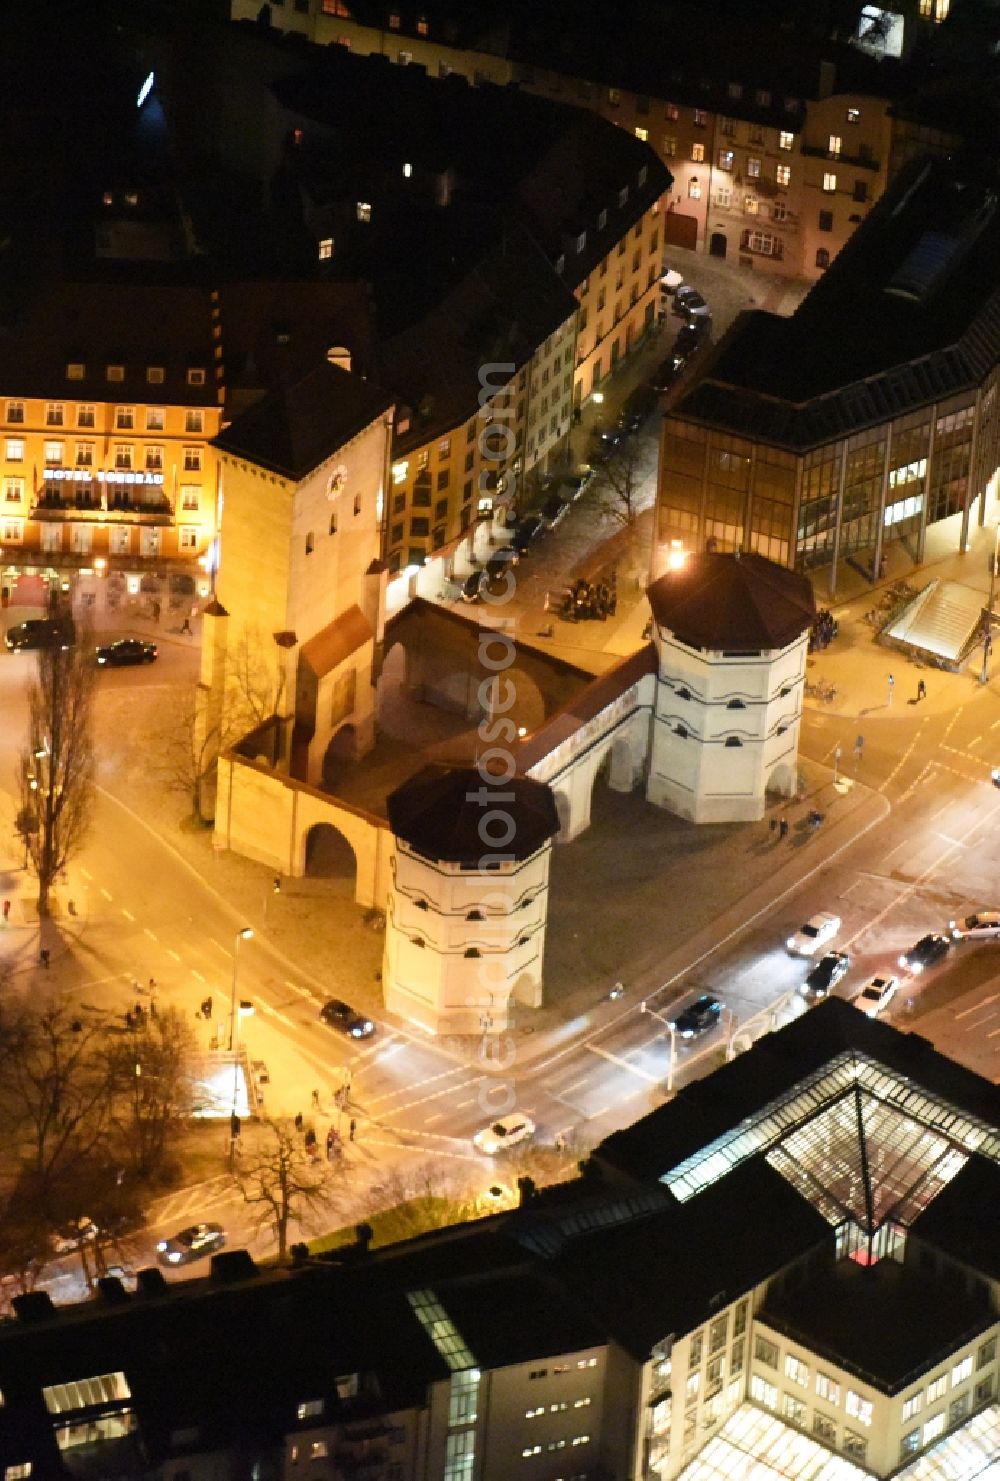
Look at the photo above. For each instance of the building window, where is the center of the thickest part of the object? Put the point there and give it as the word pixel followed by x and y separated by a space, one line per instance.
pixel 12 531
pixel 15 411
pixel 13 490
pixel 779 211
pixel 783 175
pixel 753 168
pixel 190 497
pixel 75 371
pixel 933 1428
pixel 727 127
pixel 961 1371
pixel 694 188
pixel 793 1409
pixel 154 375
pixel 195 376
pixel 911 1406
pixel 984 1390
pixel 154 457
pixel 858 1407
pixel 642 134
pixel 669 146
pixel 115 372
pixel 909 1444
pixel 854 115
pixel 698 153
pixel 824 1429
pixel 187 538
pixel 826 221
pixel 123 455
pixel 17 1472
pixel 671 112
pixel 194 421
pixel 53 454
pixel 957 1410
pixel 700 118
pixel 860 191
pixel 827 1388
pixel 15 449
pixel 751 205
pixel 364 210
pixel 785 139
pixel 723 197
pixel 855 1446
pixel 835 143
pixel 124 418
pixel 765 1351
pixel 829 182
pixel 822 258
pixel 325 249
pixel 614 97
pixel 740 1319
pixel 725 159
pixel 765 1393
pixel 986 1353
pixel 85 416
pixel 937 1388
pixel 192 460
pixel 796 1370
pixel 54 413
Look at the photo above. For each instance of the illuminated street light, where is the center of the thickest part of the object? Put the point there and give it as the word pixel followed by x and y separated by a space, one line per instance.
pixel 677 556
pixel 645 1008
pixel 245 934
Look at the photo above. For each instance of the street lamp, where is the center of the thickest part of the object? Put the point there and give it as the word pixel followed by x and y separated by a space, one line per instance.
pixel 645 1008
pixel 244 934
pixel 984 677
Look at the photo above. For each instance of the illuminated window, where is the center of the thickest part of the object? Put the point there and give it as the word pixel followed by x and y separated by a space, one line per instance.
pixel 796 1370
pixel 671 112
pixel 124 418
pixel 835 142
pixel 642 134
pixel 857 1407
pixel 783 175
pixel 192 460
pixel 765 1393
pixel 195 376
pixel 17 1472
pixel 829 182
pixel 190 497
pixel 53 454
pixel 725 159
pixel 827 1388
pixel 933 1428
pixel 13 493
pixel 154 457
pixel 941 9
pixel 407 171
pixel 854 115
pixel 753 169
pixel 698 153
pixel 751 205
pixel 785 139
pixel 64 1398
pixel 911 1406
pixel 961 1371
pixel 325 249
pixel 694 189
pixel 937 1388
pixel 309 1409
pixel 394 20
pixel 423 27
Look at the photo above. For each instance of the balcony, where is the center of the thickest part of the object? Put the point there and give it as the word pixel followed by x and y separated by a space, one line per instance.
pixel 100 501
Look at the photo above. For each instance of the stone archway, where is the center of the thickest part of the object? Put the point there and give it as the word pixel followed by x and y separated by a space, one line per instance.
pixel 717 244
pixel 328 855
pixel 342 750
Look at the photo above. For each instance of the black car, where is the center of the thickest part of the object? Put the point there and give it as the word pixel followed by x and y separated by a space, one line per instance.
pixel 126 651
pixel 41 632
pixel 471 586
pixel 924 953
pixel 686 345
pixel 825 975
pixel 191 1244
pixel 527 532
pixel 348 1020
pixel 699 1016
pixel 602 444
pixel 665 373
pixel 638 405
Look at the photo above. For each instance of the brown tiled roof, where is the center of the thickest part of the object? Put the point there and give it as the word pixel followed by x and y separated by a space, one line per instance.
pixel 439 813
pixel 740 603
pixel 337 641
pixel 597 695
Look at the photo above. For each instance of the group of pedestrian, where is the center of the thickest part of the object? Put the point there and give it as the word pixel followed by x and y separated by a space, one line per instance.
pixel 824 630
pixel 779 826
pixel 334 1140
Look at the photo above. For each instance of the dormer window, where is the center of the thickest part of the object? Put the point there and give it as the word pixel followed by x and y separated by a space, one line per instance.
pixel 407 170
pixel 643 173
pixel 423 26
pixel 560 264
pixel 309 1409
pixel 602 220
pixel 154 375
pixel 623 196
pixel 394 20
pixel 115 372
pixel 735 704
pixel 364 210
pixel 581 241
pixel 475 915
pixel 195 377
pixel 733 740
pixel 325 249
pixel 75 371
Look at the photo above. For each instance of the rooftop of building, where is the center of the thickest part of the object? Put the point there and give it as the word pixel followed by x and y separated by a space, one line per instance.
pixel 887 1323
pixel 919 285
pixel 954 1221
pixel 732 603
pixel 463 815
pixel 300 424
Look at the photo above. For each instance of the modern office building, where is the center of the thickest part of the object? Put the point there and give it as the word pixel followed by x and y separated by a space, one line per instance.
pixel 790 1270
pixel 868 415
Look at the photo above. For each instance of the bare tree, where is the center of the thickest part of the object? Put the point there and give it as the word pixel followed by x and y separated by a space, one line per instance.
pixel 281 1182
pixel 151 1087
pixel 620 484
pixel 56 770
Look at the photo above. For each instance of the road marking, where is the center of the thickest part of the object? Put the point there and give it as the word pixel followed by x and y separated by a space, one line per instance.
pixel 175 954
pixel 455 1069
pixel 906 756
pixel 976 1006
pixel 624 1063
pixel 106 893
pixel 151 934
pixel 219 944
pixel 89 876
pixel 975 741
pixel 270 1012
pixel 438 1116
pixel 196 973
pixel 952 722
pixel 935 815
pixel 128 914
pixel 434 1095
pixel 303 992
pixel 463 1103
pixel 995 724
pixel 907 843
pixel 955 843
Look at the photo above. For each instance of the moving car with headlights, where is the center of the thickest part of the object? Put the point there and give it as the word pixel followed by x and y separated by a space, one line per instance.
pixel 825 975
pixel 983 925
pixel 700 1015
pixel 125 651
pixel 191 1244
pixel 925 953
pixel 504 1133
pixel 348 1020
pixel 876 995
pixel 817 931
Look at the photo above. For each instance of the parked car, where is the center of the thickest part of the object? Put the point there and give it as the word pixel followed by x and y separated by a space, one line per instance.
pixel 686 345
pixel 348 1020
pixel 553 511
pixel 876 995
pixel 664 374
pixel 683 295
pixel 603 442
pixel 504 1133
pixel 638 405
pixel 527 532
pixel 817 931
pixel 825 975
pixel 698 1016
pixel 124 651
pixel 689 303
pixel 191 1244
pixel 471 586
pixel 984 925
pixel 41 632
pixel 925 953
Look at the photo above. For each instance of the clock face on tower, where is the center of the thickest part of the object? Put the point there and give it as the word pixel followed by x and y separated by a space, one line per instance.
pixel 338 478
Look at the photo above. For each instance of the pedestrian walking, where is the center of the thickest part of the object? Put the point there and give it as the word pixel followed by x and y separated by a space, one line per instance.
pixel 773 825
pixel 6 911
pixel 331 1138
pixel 921 689
pixel 43 957
pixel 186 627
pixel 783 828
pixel 310 1138
pixel 315 1100
pixel 859 747
pixel 298 1120
pixel 352 1128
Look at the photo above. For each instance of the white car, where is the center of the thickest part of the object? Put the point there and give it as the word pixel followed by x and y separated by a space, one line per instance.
pixel 876 995
pixel 984 925
pixel 817 931
pixel 503 1133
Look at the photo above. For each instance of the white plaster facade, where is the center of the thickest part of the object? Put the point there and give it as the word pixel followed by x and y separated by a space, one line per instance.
pixel 725 729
